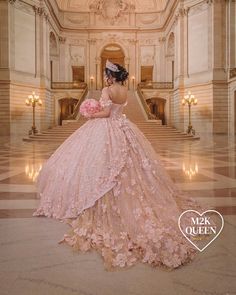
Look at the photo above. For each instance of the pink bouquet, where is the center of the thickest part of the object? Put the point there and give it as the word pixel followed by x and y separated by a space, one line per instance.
pixel 89 106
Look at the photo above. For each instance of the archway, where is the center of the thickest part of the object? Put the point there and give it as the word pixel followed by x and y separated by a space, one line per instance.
pixel 54 57
pixel 171 58
pixel 157 108
pixel 67 106
pixel 115 54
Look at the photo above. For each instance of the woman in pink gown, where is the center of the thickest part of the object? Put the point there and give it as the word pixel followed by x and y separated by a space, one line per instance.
pixel 107 182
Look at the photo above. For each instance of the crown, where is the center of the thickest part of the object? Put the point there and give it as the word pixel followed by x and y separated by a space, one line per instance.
pixel 111 66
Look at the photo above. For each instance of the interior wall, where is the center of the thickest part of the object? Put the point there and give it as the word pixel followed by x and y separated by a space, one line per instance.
pixel 194 38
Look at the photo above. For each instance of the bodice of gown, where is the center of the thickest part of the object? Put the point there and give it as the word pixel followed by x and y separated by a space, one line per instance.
pixel 116 110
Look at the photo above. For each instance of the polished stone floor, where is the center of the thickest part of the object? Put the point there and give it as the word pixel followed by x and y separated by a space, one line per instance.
pixel 32 262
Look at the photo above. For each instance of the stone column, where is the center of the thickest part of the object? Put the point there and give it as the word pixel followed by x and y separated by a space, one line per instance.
pixel 231 7
pixel 162 71
pixel 62 58
pixel 98 73
pixel 219 66
pixel 178 113
pixel 156 64
pixel 5 7
pixel 43 58
pixel 127 62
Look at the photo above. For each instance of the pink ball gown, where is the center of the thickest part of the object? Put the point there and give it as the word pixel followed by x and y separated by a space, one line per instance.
pixel 107 182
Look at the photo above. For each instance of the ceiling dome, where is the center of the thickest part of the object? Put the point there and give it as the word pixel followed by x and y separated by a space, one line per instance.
pixel 139 5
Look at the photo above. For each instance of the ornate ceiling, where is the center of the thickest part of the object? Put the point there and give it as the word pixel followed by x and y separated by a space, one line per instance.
pixel 137 5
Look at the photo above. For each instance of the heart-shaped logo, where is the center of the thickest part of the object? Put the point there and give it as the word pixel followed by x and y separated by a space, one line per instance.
pixel 201 229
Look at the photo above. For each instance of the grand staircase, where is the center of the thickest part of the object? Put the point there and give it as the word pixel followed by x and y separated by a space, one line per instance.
pixel 152 129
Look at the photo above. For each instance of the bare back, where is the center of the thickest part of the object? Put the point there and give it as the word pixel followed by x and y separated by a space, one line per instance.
pixel 118 93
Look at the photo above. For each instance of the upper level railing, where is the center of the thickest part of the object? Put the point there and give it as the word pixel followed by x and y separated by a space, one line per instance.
pixel 156 85
pixel 68 85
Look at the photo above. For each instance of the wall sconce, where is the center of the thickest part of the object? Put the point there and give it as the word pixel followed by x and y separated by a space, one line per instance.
pixel 190 100
pixel 133 82
pixel 33 100
pixel 91 82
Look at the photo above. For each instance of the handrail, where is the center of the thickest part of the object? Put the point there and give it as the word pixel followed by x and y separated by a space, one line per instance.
pixel 156 85
pixel 145 105
pixel 68 85
pixel 76 110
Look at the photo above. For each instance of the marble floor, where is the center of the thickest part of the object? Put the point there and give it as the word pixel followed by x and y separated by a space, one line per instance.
pixel 33 263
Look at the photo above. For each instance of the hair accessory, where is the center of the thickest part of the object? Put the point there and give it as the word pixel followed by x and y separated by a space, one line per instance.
pixel 111 66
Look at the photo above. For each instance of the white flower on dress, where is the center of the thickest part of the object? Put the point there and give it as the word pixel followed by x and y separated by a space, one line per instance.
pixel 131 261
pixel 104 208
pixel 124 174
pixel 118 247
pixel 120 260
pixel 146 163
pixel 133 182
pixel 150 256
pixel 140 239
pixel 123 235
pixel 129 191
pixel 137 213
pixel 148 210
pixel 81 231
pixel 141 197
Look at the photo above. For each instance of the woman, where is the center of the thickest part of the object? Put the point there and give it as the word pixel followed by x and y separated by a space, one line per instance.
pixel 109 184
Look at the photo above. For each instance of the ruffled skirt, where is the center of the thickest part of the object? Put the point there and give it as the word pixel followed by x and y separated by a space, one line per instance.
pixel 127 209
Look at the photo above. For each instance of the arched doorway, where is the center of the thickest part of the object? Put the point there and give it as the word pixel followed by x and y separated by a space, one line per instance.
pixel 115 54
pixel 157 108
pixel 54 57
pixel 171 58
pixel 67 106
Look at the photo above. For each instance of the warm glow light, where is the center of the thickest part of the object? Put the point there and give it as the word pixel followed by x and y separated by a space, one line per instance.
pixel 189 99
pixel 190 169
pixel 33 99
pixel 32 170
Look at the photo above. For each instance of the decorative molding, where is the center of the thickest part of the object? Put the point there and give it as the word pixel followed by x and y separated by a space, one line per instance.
pixel 92 41
pixel 132 41
pixel 111 10
pixel 232 73
pixel 62 39
pixel 77 54
pixel 22 6
pixel 38 10
pixel 181 12
pixel 80 42
pixel 81 19
pixel 41 11
pixel 162 39
pixel 148 42
pixel 198 8
pixel 210 2
pixel 113 38
pixel 148 19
